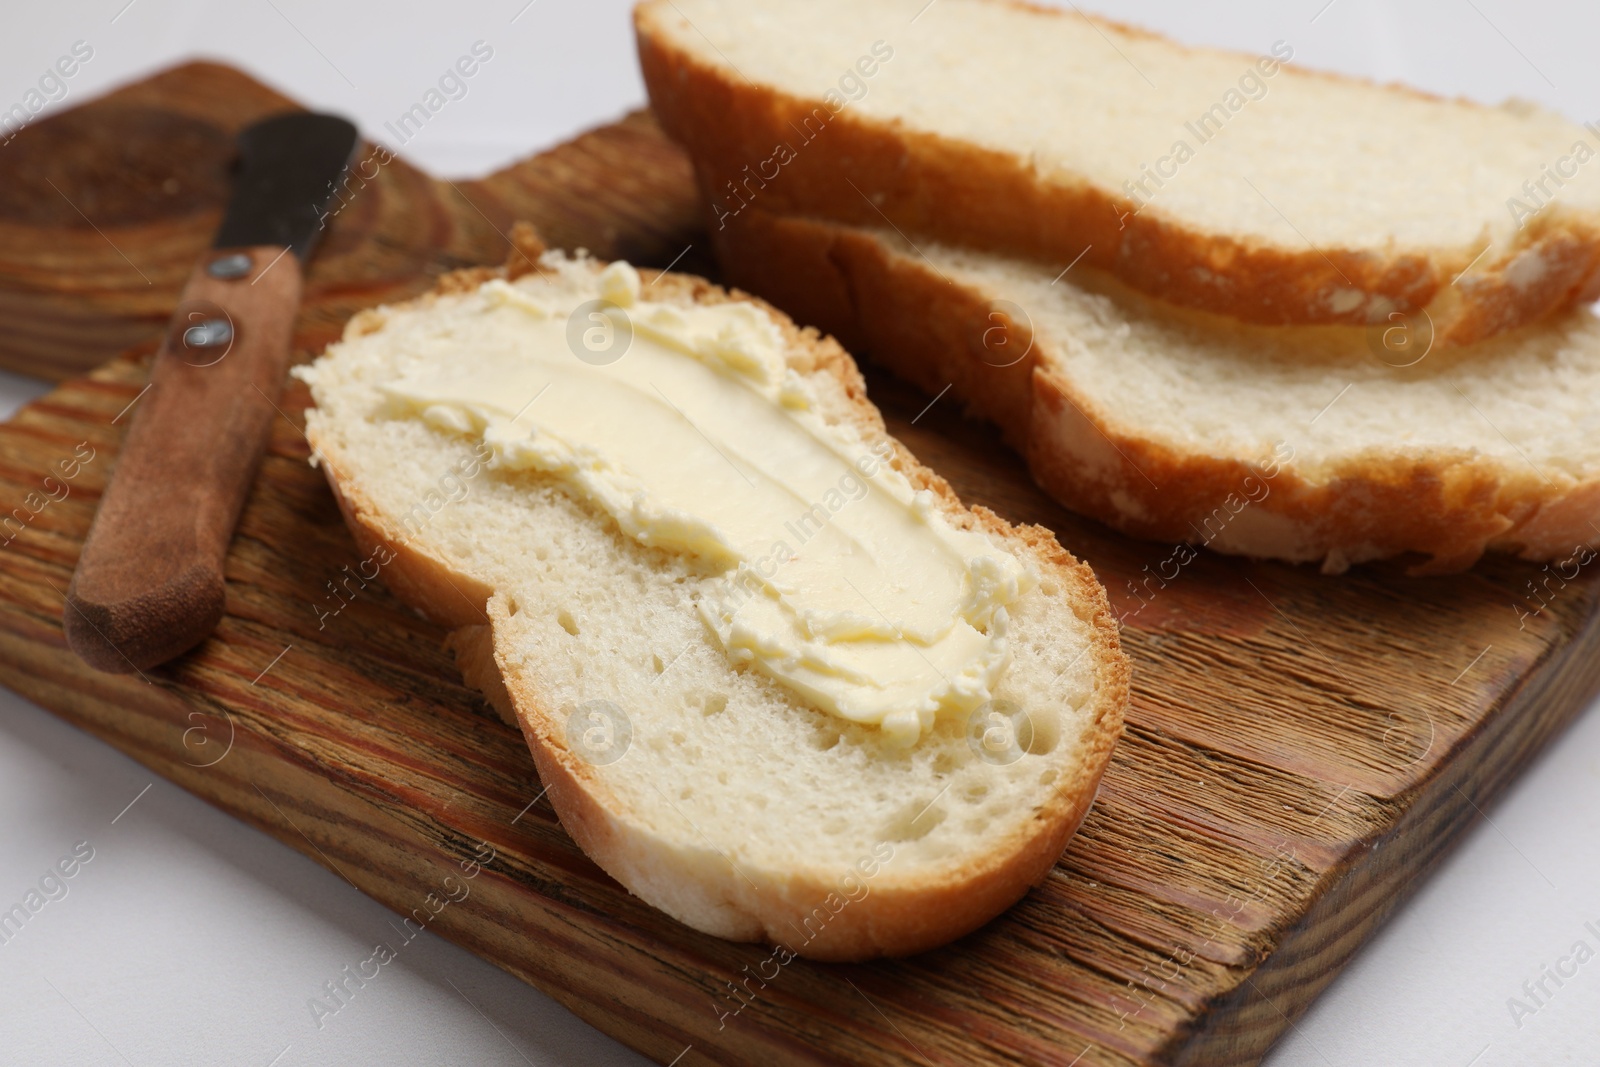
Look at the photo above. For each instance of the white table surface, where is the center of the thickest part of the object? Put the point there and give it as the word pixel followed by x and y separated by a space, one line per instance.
pixel 189 938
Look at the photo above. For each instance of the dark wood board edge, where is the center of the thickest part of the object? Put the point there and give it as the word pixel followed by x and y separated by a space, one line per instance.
pixel 1365 892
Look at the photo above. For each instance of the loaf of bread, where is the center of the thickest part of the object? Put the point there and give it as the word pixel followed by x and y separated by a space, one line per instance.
pixel 1227 182
pixel 1302 443
pixel 707 788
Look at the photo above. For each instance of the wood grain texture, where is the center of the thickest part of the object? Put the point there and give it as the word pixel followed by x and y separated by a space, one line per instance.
pixel 103 209
pixel 1300 749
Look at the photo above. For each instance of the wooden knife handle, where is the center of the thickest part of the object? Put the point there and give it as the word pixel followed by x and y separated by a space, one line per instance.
pixel 149 582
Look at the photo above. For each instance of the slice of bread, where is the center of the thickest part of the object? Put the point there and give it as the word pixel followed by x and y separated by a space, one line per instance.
pixel 713 792
pixel 1218 180
pixel 1301 443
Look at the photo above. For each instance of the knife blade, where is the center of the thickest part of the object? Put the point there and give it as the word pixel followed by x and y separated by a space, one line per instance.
pixel 149 584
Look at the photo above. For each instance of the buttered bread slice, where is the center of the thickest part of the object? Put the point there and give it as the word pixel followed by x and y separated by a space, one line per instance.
pixel 780 683
pixel 1235 183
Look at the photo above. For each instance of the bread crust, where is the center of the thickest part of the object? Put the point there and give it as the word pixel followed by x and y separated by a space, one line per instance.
pixel 900 914
pixel 1451 507
pixel 962 194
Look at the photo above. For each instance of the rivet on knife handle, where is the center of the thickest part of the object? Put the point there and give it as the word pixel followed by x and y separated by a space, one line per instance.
pixel 149 584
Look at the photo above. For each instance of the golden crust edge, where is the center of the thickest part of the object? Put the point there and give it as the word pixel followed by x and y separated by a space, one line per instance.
pixel 964 195
pixel 1451 508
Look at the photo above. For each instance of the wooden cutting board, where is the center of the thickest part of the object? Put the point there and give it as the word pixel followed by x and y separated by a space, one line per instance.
pixel 1300 749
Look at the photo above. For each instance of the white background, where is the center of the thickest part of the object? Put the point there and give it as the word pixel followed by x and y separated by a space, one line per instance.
pixel 190 938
